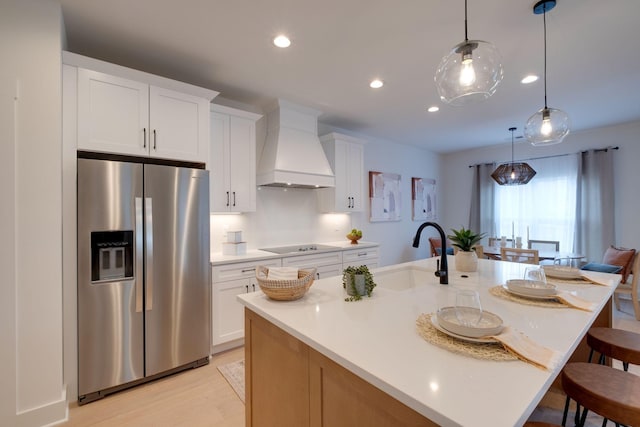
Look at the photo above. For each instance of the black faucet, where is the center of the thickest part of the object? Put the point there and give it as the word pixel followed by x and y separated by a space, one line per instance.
pixel 442 270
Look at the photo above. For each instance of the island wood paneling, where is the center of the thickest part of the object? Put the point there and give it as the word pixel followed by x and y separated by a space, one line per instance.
pixel 290 384
pixel 276 376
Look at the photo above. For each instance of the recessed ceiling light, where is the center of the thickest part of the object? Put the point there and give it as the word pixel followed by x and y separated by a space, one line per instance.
pixel 376 84
pixel 433 109
pixel 529 79
pixel 282 41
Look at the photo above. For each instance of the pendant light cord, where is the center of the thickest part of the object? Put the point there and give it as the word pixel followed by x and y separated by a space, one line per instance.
pixel 512 129
pixel 466 38
pixel 544 20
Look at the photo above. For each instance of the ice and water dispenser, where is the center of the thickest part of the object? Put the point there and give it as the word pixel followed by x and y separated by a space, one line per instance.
pixel 111 255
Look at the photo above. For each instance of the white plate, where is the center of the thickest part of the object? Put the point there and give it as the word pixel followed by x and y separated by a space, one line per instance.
pixel 531 287
pixel 434 321
pixel 561 272
pixel 540 297
pixel 490 324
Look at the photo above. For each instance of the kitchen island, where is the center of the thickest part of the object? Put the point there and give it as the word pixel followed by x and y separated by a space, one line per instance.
pixel 321 361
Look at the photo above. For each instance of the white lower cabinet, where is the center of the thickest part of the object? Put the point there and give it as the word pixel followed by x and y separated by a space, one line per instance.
pixel 227 317
pixel 327 264
pixel 368 256
pixel 230 280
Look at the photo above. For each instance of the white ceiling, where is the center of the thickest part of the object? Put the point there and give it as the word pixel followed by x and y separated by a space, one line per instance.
pixel 339 45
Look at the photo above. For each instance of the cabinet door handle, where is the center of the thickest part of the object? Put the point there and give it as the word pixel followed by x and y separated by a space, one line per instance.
pixel 246 270
pixel 144 137
pixel 362 253
pixel 155 138
pixel 227 199
pixel 318 275
pixel 247 288
pixel 234 198
pixel 254 287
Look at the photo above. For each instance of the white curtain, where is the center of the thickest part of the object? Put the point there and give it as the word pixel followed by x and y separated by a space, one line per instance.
pixel 543 209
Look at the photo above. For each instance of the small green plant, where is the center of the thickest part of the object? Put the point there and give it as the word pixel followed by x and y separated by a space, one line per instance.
pixel 348 279
pixel 465 239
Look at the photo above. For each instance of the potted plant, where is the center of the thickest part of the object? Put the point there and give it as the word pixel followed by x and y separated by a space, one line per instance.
pixel 465 240
pixel 358 281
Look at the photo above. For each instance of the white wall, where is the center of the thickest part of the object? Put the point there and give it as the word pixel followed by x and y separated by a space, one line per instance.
pixel 31 373
pixel 291 217
pixel 457 176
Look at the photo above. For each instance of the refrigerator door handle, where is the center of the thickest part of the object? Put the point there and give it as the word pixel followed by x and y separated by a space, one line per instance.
pixel 138 281
pixel 148 208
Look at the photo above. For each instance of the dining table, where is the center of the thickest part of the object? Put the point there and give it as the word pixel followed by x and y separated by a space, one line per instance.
pixel 493 252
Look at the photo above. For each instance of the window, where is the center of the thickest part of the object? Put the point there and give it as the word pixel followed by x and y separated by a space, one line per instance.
pixel 545 207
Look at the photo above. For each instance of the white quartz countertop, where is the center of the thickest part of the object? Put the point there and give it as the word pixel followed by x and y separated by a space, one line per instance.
pixel 218 258
pixel 376 339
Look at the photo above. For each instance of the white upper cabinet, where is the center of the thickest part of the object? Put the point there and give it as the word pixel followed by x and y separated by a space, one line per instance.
pixel 232 160
pixel 179 125
pixel 346 157
pixel 113 114
pixel 125 111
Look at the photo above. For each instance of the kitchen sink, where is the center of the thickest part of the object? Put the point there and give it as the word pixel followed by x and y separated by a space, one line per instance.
pixel 403 278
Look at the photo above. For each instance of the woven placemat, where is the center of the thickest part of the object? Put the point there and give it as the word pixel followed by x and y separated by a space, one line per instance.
pixel 488 351
pixel 500 292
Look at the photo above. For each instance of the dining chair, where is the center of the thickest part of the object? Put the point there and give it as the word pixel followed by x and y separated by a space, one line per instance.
pixel 544 245
pixel 630 289
pixel 495 242
pixel 526 256
pixel 436 247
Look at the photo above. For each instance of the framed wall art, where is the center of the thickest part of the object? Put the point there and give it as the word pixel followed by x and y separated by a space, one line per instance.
pixel 384 196
pixel 423 199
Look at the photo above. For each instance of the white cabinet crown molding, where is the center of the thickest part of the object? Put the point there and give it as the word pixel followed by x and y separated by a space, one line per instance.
pixel 223 109
pixel 81 61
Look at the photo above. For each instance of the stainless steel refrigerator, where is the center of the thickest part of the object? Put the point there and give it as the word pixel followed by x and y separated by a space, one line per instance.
pixel 144 290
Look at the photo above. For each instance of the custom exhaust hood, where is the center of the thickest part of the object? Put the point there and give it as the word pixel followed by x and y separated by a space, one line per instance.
pixel 292 155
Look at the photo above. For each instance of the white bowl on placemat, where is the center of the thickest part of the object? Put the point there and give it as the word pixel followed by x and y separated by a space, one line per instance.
pixel 489 324
pixel 561 272
pixel 531 287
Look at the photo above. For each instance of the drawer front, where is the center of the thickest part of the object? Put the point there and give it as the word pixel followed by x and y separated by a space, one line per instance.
pixel 357 255
pixel 241 270
pixel 316 260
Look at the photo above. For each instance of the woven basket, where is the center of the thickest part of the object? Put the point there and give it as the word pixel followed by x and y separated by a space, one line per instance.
pixel 285 290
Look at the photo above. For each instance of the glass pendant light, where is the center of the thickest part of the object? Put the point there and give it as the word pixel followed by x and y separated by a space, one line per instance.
pixel 547 126
pixel 513 173
pixel 470 73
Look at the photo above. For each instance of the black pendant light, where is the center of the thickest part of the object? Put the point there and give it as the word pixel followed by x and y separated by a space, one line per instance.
pixel 470 72
pixel 546 126
pixel 513 173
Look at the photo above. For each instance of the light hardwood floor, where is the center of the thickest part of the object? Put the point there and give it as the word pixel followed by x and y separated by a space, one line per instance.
pixel 194 398
pixel 202 397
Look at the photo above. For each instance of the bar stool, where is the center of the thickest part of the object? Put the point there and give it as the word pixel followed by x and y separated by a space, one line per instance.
pixel 609 392
pixel 613 343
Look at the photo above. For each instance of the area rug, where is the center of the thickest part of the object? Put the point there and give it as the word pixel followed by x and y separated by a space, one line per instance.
pixel 234 374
